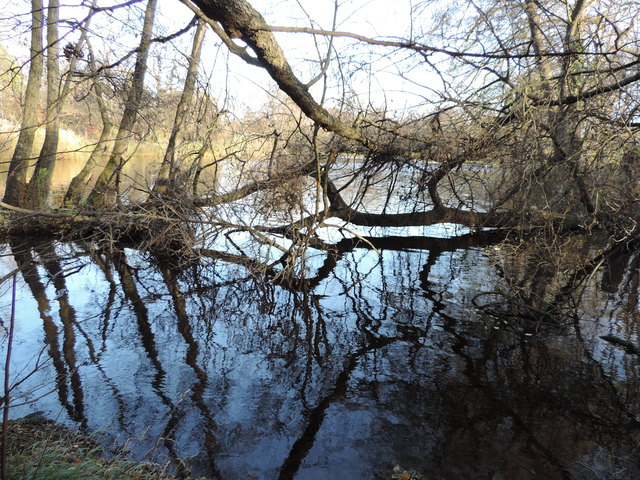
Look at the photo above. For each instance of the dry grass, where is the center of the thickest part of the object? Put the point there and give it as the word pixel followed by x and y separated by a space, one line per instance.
pixel 402 474
pixel 43 450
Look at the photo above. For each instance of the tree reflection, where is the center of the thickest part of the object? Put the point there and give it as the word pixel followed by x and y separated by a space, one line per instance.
pixel 368 361
pixel 63 359
pixel 210 444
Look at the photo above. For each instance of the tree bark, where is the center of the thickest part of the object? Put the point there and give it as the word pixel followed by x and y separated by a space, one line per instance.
pixel 537 39
pixel 16 185
pixel 74 191
pixel 40 183
pixel 568 140
pixel 105 186
pixel 167 168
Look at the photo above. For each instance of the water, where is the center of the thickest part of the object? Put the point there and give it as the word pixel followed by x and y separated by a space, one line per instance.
pixel 380 361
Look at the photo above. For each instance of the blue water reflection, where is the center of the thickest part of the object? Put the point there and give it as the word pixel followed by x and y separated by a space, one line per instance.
pixel 382 360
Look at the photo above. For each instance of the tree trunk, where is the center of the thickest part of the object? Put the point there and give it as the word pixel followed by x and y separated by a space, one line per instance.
pixel 537 39
pixel 40 183
pixel 76 187
pixel 562 120
pixel 167 168
pixel 105 186
pixel 568 140
pixel 16 185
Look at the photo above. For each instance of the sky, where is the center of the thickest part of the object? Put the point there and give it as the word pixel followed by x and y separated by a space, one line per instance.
pixel 377 83
pixel 373 78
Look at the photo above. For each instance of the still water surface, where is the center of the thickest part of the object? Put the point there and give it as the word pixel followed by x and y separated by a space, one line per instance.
pixel 381 361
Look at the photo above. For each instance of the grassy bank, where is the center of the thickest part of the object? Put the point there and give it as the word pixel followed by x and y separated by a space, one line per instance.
pixel 40 449
pixel 43 450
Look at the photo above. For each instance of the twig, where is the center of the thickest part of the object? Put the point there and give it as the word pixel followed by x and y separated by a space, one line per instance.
pixel 5 415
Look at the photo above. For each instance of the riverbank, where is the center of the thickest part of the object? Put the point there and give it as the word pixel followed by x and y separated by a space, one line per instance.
pixel 40 449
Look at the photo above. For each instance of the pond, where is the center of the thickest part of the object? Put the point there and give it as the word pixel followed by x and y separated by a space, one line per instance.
pixel 379 359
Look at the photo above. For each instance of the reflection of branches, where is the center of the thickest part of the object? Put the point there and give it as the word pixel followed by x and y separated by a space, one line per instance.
pixel 170 277
pixel 318 355
pixel 472 368
pixel 483 365
pixel 6 399
pixel 28 267
pixel 52 265
pixel 105 314
pixel 147 339
pixel 270 273
pixel 315 417
pixel 374 341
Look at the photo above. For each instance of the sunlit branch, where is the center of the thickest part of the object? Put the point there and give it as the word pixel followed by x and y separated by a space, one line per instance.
pixel 160 40
pixel 230 44
pixel 612 87
pixel 415 46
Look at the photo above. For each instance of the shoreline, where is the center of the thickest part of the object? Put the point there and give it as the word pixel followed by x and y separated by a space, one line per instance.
pixel 40 449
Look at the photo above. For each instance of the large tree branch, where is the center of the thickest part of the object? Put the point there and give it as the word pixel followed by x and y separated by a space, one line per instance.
pixel 215 26
pixel 506 219
pixel 612 87
pixel 240 20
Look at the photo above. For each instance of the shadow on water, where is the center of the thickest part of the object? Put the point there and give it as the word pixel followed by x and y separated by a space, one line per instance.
pixel 377 361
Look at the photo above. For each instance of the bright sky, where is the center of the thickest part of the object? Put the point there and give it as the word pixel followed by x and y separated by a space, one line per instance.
pixel 378 84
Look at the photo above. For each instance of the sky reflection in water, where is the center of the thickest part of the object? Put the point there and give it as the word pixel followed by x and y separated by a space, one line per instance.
pixel 383 362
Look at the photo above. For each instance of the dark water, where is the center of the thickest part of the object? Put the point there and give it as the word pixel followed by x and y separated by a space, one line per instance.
pixel 379 361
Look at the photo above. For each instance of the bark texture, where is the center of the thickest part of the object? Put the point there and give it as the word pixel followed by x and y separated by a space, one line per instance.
pixel 15 191
pixel 167 168
pixel 104 192
pixel 40 183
